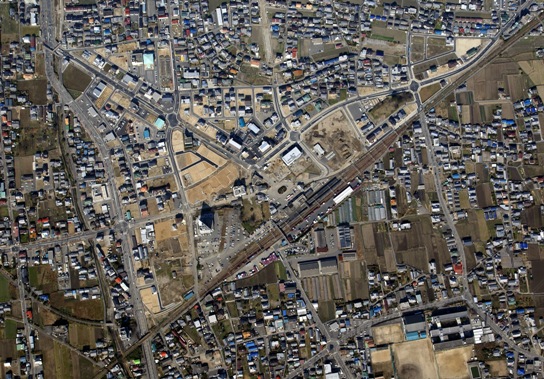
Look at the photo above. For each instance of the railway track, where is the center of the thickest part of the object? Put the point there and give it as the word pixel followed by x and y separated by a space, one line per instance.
pixel 365 162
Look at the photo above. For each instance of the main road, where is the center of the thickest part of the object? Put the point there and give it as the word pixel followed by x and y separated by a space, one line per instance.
pixel 376 151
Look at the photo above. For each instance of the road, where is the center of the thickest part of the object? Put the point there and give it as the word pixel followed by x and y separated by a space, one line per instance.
pixel 351 172
pixel 317 320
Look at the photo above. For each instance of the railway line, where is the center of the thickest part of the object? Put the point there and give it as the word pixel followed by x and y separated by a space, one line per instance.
pixel 363 164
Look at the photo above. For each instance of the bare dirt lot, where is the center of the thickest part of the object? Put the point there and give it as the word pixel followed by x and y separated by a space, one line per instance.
pixel 462 45
pixel 177 141
pixel 452 364
pixel 381 363
pixel 165 230
pixel 215 184
pixel 415 366
pixel 337 136
pixel 99 103
pixel 437 46
pixel 186 159
pixel 211 156
pixel 196 173
pixel 498 368
pixel 119 98
pixel 387 334
pixel 150 300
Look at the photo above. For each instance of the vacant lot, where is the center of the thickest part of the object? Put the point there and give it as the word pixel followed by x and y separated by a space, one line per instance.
pixel 412 365
pixel 452 364
pixel 43 278
pixel 35 137
pixel 254 214
pixel 498 369
pixel 196 173
pixel 337 136
pixel 211 156
pixel 187 159
pixel 75 79
pixel 426 92
pixel 150 300
pixel 388 35
pixel 86 310
pixel 387 334
pixel 177 141
pixel 166 230
pixel 99 103
pixel 437 46
pixel 390 105
pixel 172 288
pixel 215 184
pixel 417 49
pixel 82 336
pixel 9 25
pixel 36 90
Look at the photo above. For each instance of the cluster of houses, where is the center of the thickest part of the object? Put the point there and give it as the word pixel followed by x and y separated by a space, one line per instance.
pixel 115 272
pixel 244 330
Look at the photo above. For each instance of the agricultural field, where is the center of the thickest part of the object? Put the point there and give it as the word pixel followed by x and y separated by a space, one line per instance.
pixel 92 309
pixel 486 82
pixel 426 92
pixel 7 290
pixel 354 281
pixel 84 336
pixel 420 244
pixel 272 273
pixel 338 137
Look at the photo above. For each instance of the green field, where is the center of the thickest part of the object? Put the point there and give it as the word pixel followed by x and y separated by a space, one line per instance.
pixel 75 80
pixel 9 25
pixel 10 328
pixel 4 290
pixel 270 274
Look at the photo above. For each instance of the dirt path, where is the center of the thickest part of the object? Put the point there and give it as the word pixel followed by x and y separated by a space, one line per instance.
pixel 265 30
